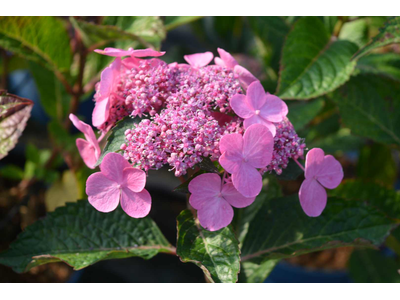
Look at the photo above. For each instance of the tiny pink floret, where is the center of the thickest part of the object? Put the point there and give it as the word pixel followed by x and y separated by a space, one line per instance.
pixel 213 200
pixel 119 182
pixel 321 171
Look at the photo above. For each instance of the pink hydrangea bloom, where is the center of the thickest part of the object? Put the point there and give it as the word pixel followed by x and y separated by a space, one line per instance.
pixel 214 200
pixel 130 52
pixel 259 107
pixel 199 60
pixel 321 171
pixel 242 155
pixel 89 149
pixel 118 182
pixel 226 60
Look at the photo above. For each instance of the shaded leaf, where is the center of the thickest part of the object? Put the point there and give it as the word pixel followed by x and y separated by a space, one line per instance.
pixel 372 266
pixel 387 35
pixel 370 107
pixel 343 223
pixel 14 113
pixel 173 22
pixel 302 113
pixel 257 273
pixel 311 64
pixel 292 171
pixel 216 253
pixel 385 64
pixel 80 236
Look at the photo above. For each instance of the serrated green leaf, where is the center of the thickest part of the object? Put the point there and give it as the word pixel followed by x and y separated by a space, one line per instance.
pixel 369 265
pixel 311 64
pixel 173 22
pixel 80 236
pixel 14 113
pixel 343 223
pixel 370 107
pixel 301 113
pixel 41 39
pixel 216 253
pixel 117 137
pixel 257 273
pixel 377 196
pixel 387 35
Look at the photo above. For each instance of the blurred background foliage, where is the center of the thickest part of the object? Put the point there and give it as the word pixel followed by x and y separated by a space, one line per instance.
pixel 340 77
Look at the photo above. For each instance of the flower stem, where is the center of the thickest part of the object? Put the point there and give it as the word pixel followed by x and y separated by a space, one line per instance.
pixel 300 165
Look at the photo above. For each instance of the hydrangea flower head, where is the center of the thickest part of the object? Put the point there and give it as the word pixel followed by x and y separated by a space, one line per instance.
pixel 119 182
pixel 259 107
pixel 130 52
pixel 199 60
pixel 214 199
pixel 226 60
pixel 321 171
pixel 242 155
pixel 89 149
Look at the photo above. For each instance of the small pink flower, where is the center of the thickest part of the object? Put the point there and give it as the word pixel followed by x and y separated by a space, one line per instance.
pixel 242 155
pixel 321 171
pixel 89 149
pixel 108 85
pixel 227 61
pixel 119 181
pixel 214 200
pixel 130 52
pixel 259 107
pixel 199 60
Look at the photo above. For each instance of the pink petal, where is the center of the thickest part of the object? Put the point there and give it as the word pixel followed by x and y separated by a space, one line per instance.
pixel 114 52
pixel 101 112
pixel 147 52
pixel 259 120
pixel 88 153
pixel 227 58
pixel 231 142
pixel 203 188
pixel 136 205
pixel 312 197
pixel 130 62
pixel 219 62
pixel 230 162
pixel 245 77
pixel 256 96
pixel 247 180
pixel 239 105
pixel 274 109
pixel 215 214
pixel 258 144
pixel 314 160
pixel 108 79
pixel 330 172
pixel 134 179
pixel 199 60
pixel 234 198
pixel 113 165
pixel 103 193
pixel 86 129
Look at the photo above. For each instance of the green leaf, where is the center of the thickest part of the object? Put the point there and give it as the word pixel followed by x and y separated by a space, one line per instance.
pixel 12 172
pixel 386 64
pixel 313 65
pixel 370 107
pixel 343 223
pixel 301 113
pixel 80 236
pixel 117 137
pixel 372 266
pixel 387 35
pixel 355 31
pixel 55 100
pixel 216 253
pixel 14 113
pixel 173 22
pixel 42 39
pixel 257 273
pixel 377 196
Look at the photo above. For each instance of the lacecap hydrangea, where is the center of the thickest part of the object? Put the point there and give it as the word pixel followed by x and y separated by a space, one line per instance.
pixel 191 112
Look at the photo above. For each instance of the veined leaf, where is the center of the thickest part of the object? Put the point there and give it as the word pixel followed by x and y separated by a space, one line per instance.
pixel 42 39
pixel 80 236
pixel 302 113
pixel 387 35
pixel 216 253
pixel 311 64
pixel 14 113
pixel 343 223
pixel 370 106
pixel 256 273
